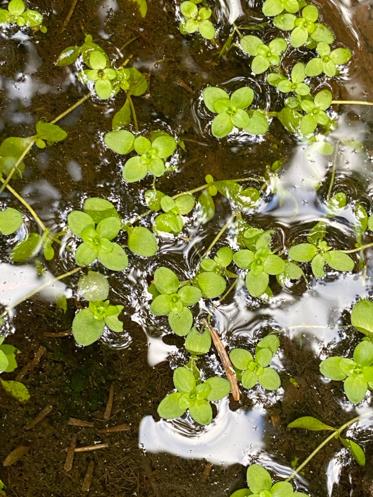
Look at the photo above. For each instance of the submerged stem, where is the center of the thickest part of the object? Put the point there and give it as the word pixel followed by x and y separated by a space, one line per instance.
pixel 334 170
pixel 16 165
pixel 218 236
pixel 70 109
pixel 26 205
pixel 351 102
pixel 133 112
pixel 40 288
pixel 334 435
pixel 358 249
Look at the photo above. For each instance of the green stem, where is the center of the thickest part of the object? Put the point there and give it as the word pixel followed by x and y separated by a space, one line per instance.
pixel 40 288
pixel 16 165
pixel 70 109
pixel 133 112
pixel 351 102
pixel 358 249
pixel 233 285
pixel 218 236
pixel 26 205
pixel 334 170
pixel 334 435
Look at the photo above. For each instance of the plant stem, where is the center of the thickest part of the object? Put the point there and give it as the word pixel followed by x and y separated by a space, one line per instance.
pixel 233 285
pixel 26 205
pixel 218 236
pixel 351 102
pixel 69 15
pixel 133 112
pixel 334 435
pixel 334 169
pixel 40 288
pixel 358 249
pixel 15 167
pixel 70 109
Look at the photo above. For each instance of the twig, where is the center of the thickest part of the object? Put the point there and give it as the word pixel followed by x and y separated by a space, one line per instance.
pixel 30 366
pixel 70 455
pixel 229 371
pixel 207 471
pixel 114 429
pixel 87 482
pixel 91 448
pixel 80 423
pixel 57 334
pixel 69 15
pixel 39 418
pixel 15 455
pixel 109 404
pixel 351 102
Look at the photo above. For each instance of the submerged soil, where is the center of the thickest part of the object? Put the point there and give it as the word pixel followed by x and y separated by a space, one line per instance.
pixel 177 461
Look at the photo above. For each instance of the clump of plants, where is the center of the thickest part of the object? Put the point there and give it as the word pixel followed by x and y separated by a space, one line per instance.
pixel 17 14
pixel 196 19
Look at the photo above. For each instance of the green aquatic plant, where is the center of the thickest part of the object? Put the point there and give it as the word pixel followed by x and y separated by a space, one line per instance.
pixel 196 19
pixel 198 342
pixel 89 324
pixel 152 153
pixel 362 317
pixel 273 8
pixel 18 14
pixel 305 30
pixel 97 226
pixel 171 220
pixel 295 84
pixel 260 484
pixel 255 370
pixel 193 396
pixel 232 111
pixel 264 56
pixel 327 61
pixel 320 254
pixel 106 79
pixel 10 221
pixel 8 359
pixel 142 6
pixel 356 373
pixel 172 298
pixel 211 277
pixel 313 424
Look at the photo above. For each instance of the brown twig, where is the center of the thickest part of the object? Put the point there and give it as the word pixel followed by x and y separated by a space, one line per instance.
pixel 229 371
pixel 70 455
pixel 15 455
pixel 87 482
pixel 91 448
pixel 57 334
pixel 114 429
pixel 69 15
pixel 109 404
pixel 39 418
pixel 30 366
pixel 80 423
pixel 207 471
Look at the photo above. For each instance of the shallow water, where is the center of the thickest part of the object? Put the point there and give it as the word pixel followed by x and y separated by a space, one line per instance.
pixel 154 457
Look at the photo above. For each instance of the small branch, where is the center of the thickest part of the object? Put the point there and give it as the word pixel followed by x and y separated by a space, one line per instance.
pixel 229 371
pixel 351 102
pixel 69 15
pixel 109 404
pixel 69 461
pixel 39 418
pixel 81 423
pixel 15 455
pixel 218 236
pixel 91 448
pixel 114 429
pixel 88 478
pixel 30 366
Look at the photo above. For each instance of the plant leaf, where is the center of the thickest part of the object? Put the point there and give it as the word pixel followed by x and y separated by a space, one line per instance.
pixel 310 423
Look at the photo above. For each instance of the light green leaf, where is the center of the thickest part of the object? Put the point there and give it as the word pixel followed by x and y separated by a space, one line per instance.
pixel 249 379
pixel 220 388
pixel 16 7
pixel 362 317
pixel 355 388
pixel 298 37
pixel 113 258
pixel 79 221
pixel 17 390
pixel 93 286
pixel 363 353
pixel 274 265
pixel 190 295
pixel 185 203
pixel 317 265
pixel 211 284
pixel 99 208
pixel 27 249
pixel 120 141
pixel 260 64
pixel 86 328
pixel 109 228
pixel 258 478
pixel 269 379
pixel 241 358
pixel 250 44
pixel 207 204
pixel 272 8
pixel 263 356
pixel 181 322
pixel 341 56
pixel 165 146
pixel 211 95
pixel 258 123
pixel 201 412
pixel 184 380
pixel 197 343
pixel 339 261
pixel 243 97
pixel 10 221
pixel 85 254
pixel 243 258
pixel 357 452
pixel 142 6
pixel 271 342
pixel 257 283
pixel 142 241
pixel 134 170
pixel 122 117
pixel 207 29
pixel 304 252
pixel 51 133
pixel 170 407
pixel 331 368
pixel 282 489
pixel 311 424
pixel 221 125
pixel 166 281
pixel 161 305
